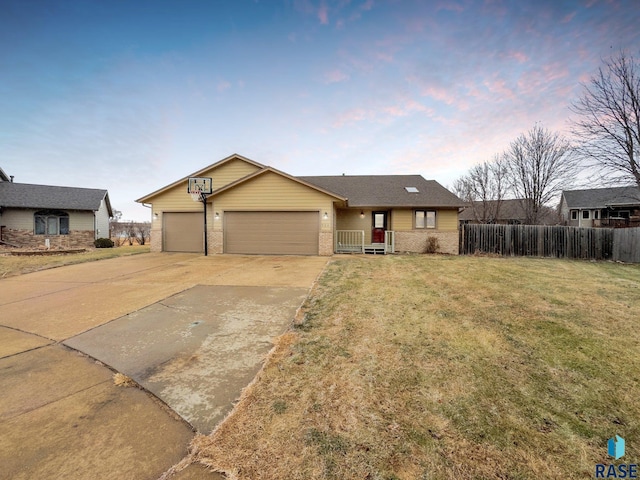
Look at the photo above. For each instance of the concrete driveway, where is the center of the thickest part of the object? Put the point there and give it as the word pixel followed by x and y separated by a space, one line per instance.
pixel 192 330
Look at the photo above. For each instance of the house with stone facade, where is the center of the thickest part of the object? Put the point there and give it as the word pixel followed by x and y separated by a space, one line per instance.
pixel 257 209
pixel 46 216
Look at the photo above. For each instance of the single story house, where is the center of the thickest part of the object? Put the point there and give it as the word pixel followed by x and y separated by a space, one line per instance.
pixel 256 209
pixel 36 216
pixel 601 207
pixel 504 212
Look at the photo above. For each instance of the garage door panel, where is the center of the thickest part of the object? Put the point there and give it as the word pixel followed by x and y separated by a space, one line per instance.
pixel 183 232
pixel 272 233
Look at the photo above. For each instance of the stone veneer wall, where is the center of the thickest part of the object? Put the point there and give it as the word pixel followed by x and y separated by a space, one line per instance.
pixel 416 241
pixel 326 243
pixel 156 240
pixel 27 239
pixel 216 241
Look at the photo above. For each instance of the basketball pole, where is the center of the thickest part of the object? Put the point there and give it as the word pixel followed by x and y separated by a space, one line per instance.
pixel 204 202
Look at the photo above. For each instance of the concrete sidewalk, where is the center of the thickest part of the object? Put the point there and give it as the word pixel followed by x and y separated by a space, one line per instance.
pixel 61 414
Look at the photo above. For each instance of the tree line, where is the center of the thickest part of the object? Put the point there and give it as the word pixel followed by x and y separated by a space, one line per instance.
pixel 127 231
pixel 540 163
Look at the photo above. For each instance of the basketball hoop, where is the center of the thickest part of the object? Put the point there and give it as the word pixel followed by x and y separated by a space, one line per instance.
pixel 196 195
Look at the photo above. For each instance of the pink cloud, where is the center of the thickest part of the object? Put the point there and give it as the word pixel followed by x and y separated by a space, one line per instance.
pixel 519 57
pixel 438 93
pixel 499 86
pixel 335 76
pixel 407 108
pixel 453 7
pixel 351 116
pixel 223 85
pixel 323 14
pixel 568 17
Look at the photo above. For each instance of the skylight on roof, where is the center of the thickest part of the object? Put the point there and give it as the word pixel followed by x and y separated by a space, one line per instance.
pixel 411 189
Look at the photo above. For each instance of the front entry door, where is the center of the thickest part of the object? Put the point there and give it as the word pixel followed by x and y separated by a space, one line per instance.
pixel 379 227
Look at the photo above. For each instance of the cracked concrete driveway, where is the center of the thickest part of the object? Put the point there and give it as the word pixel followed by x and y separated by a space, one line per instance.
pixel 192 330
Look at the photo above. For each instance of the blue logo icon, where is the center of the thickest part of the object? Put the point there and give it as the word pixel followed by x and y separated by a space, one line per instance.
pixel 616 447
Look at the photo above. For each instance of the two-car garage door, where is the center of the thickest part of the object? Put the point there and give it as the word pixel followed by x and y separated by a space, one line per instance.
pixel 260 233
pixel 271 233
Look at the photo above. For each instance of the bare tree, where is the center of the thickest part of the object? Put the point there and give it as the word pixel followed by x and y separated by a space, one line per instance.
pixel 608 122
pixel 484 187
pixel 143 230
pixel 540 165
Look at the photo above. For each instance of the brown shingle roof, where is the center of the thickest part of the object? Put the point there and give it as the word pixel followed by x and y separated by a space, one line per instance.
pixel 387 190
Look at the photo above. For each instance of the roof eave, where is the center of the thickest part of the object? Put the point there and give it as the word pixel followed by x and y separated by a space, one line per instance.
pixel 234 156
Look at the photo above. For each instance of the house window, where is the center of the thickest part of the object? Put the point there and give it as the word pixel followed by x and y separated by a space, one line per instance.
pixel 596 214
pixel 585 214
pixel 425 219
pixel 51 222
pixel 574 214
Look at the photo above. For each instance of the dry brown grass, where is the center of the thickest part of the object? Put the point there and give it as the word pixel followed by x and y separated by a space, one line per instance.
pixel 121 380
pixel 18 265
pixel 411 367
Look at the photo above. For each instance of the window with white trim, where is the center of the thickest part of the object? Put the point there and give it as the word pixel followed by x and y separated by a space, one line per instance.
pixel 574 214
pixel 425 219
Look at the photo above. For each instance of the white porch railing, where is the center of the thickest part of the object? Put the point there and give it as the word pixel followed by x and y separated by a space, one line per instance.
pixel 352 241
pixel 349 241
pixel 389 241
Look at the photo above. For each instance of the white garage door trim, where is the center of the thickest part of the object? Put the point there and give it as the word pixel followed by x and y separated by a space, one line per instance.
pixel 272 232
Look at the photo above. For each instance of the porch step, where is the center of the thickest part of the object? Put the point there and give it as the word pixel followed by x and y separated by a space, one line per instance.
pixel 374 249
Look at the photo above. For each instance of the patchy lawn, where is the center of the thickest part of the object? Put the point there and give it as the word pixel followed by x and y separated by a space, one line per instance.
pixel 437 367
pixel 17 265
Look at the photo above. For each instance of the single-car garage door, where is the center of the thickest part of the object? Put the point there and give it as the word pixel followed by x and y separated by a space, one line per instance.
pixel 183 232
pixel 271 233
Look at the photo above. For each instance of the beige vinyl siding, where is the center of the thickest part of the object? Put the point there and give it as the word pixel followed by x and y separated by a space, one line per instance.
pixel 177 199
pixel 271 191
pixel 402 219
pixel 447 220
pixel 350 220
pixel 24 219
pixel 229 173
pixel 81 221
pixel 18 219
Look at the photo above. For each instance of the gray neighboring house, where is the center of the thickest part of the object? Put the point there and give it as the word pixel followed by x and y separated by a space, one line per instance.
pixel 505 212
pixel 41 216
pixel 601 207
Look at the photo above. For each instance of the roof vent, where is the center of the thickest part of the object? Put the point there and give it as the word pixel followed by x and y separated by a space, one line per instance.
pixel 411 189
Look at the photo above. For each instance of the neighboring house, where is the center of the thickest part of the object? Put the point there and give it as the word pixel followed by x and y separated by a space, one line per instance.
pixel 35 216
pixel 601 207
pixel 506 212
pixel 256 209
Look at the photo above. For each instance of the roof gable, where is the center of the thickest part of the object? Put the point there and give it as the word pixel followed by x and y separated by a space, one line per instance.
pixel 24 195
pixel 265 170
pixel 202 172
pixel 388 190
pixel 3 176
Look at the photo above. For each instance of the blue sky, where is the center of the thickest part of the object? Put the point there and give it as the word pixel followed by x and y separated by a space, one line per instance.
pixel 130 95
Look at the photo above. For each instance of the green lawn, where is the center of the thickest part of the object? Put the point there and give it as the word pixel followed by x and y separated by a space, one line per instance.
pixel 438 367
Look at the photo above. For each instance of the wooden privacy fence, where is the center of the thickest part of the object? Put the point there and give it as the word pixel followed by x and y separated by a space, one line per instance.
pixel 626 245
pixel 549 241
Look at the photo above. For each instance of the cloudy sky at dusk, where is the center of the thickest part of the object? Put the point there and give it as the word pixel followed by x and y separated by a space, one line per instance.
pixel 130 95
